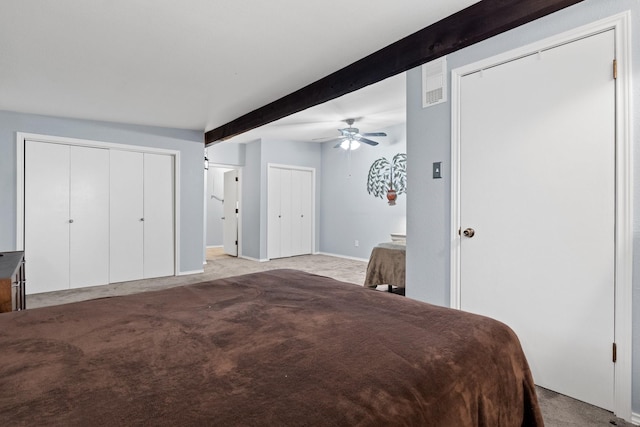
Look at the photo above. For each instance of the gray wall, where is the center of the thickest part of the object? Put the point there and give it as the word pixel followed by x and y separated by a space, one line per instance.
pixel 349 212
pixel 252 200
pixel 428 140
pixel 189 143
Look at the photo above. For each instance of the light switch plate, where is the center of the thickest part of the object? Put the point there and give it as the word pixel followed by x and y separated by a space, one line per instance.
pixel 437 170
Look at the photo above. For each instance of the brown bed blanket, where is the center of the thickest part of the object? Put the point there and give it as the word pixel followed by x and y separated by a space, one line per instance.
pixel 386 266
pixel 278 348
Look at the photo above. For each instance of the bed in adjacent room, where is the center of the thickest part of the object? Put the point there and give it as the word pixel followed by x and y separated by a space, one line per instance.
pixel 282 347
pixel 387 266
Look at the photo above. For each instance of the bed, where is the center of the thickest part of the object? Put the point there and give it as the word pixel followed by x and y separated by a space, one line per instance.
pixel 277 348
pixel 387 266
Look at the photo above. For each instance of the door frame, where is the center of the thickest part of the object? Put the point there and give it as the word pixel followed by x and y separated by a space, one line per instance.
pixel 620 23
pixel 313 200
pixel 21 137
pixel 240 171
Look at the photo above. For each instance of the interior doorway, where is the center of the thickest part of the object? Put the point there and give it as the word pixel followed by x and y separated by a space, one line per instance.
pixel 220 195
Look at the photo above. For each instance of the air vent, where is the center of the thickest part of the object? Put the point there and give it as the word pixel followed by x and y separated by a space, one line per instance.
pixel 434 82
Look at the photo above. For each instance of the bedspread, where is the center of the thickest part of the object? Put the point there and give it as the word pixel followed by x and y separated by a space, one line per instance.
pixel 386 266
pixel 278 348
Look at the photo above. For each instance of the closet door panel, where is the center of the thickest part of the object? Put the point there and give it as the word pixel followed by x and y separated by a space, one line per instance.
pixel 304 213
pixel 46 238
pixel 296 212
pixel 286 210
pixel 274 226
pixel 126 216
pixel 89 211
pixel 158 216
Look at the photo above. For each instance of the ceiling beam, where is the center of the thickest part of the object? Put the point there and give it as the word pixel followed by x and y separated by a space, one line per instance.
pixel 478 22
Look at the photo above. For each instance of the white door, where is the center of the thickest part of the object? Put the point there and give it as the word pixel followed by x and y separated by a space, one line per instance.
pixel 274 223
pixel 286 213
pixel 301 189
pixel 537 186
pixel 230 206
pixel 126 216
pixel 158 216
pixel 280 215
pixel 46 218
pixel 89 211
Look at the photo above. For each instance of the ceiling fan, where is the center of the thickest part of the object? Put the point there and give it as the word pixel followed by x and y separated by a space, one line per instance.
pixel 351 137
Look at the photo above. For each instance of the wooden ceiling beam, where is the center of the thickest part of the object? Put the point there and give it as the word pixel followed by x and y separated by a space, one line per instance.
pixel 478 22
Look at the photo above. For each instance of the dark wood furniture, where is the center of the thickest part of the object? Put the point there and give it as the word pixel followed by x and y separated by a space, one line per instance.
pixel 12 281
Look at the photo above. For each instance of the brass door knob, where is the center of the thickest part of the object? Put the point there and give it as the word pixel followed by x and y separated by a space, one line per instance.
pixel 469 232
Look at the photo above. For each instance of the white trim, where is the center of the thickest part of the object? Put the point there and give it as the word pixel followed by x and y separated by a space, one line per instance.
pixel 21 137
pixel 188 273
pixel 252 259
pixel 342 256
pixel 635 418
pixel 621 23
pixel 313 199
pixel 215 246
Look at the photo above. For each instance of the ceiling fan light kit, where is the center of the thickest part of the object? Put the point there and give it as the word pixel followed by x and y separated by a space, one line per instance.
pixel 350 144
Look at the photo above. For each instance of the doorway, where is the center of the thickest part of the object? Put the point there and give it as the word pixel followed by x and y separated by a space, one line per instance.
pixel 222 200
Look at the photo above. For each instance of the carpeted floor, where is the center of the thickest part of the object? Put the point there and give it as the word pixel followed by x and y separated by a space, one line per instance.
pixel 558 410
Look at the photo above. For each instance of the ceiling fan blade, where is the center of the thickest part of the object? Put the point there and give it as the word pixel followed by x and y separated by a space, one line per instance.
pixel 374 134
pixel 367 141
pixel 326 138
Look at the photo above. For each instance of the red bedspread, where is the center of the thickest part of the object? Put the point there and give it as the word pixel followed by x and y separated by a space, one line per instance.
pixel 279 348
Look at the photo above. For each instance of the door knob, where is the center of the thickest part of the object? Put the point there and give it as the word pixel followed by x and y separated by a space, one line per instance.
pixel 70 221
pixel 469 232
pixel 141 219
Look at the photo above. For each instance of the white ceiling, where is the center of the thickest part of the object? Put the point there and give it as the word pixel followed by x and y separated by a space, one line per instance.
pixel 196 64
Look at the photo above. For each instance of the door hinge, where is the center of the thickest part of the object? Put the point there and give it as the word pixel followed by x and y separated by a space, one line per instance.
pixel 236 210
pixel 236 243
pixel 236 179
pixel 615 353
pixel 615 69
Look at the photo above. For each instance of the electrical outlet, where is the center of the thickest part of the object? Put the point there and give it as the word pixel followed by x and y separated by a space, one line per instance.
pixel 356 243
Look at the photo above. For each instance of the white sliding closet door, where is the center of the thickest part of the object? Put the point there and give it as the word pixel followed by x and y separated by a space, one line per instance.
pixel 126 216
pixel 89 217
pixel 66 216
pixel 274 228
pixel 96 215
pixel 290 225
pixel 46 237
pixel 301 185
pixel 286 213
pixel 158 216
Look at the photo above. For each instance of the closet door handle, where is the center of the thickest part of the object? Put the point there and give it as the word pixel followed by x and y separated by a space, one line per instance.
pixel 141 219
pixel 70 221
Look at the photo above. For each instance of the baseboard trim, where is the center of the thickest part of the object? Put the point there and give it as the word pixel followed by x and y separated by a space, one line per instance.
pixel 215 246
pixel 343 256
pixel 635 418
pixel 253 259
pixel 187 273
